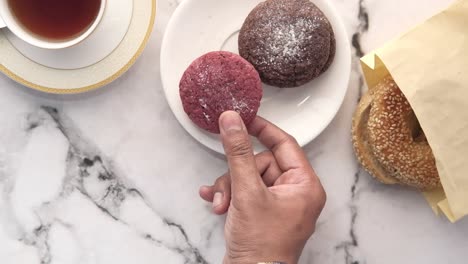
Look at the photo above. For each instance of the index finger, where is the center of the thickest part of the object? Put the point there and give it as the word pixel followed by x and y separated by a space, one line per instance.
pixel 284 147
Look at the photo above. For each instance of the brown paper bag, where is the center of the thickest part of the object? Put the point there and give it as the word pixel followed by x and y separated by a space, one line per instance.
pixel 430 65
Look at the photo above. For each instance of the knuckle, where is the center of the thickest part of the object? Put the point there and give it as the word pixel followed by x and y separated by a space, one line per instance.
pixel 239 146
pixel 318 198
pixel 322 200
pixel 291 139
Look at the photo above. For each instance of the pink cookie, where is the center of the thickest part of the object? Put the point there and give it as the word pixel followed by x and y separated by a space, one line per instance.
pixel 217 82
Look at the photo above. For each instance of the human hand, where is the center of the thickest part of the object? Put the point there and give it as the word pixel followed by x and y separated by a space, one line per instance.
pixel 272 199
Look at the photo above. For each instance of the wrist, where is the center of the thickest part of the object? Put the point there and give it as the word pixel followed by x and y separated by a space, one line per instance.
pixel 261 260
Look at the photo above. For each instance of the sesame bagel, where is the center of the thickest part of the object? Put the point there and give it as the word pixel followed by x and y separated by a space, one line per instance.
pixel 388 141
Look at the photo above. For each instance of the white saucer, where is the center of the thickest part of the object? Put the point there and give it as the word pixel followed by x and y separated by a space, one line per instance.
pixel 107 36
pixel 106 55
pixel 200 26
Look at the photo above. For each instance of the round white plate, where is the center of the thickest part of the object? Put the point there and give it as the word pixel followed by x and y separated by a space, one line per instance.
pixel 107 36
pixel 92 64
pixel 201 26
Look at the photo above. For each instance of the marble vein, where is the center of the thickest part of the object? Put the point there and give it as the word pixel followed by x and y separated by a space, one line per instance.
pixel 363 27
pixel 351 246
pixel 96 179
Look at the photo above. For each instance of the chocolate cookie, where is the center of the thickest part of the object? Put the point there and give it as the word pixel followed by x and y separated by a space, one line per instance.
pixel 217 82
pixel 289 42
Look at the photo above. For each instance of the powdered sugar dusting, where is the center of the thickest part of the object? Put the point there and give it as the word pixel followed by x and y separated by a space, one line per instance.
pixel 289 42
pixel 202 102
pixel 287 38
pixel 207 116
pixel 239 105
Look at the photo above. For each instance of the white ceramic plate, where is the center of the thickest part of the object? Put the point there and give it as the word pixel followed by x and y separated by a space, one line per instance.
pixel 201 26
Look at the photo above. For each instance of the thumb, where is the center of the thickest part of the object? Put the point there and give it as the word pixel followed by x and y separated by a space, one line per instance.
pixel 239 153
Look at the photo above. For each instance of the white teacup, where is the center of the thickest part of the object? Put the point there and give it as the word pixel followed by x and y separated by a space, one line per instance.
pixel 8 20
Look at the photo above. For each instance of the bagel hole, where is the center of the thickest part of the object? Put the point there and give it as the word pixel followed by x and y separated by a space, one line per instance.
pixel 416 131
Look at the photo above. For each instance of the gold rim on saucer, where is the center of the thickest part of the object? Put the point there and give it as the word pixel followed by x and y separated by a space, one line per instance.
pixel 94 86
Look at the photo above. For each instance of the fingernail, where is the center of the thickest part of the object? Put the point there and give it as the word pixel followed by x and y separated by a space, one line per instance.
pixel 231 121
pixel 217 199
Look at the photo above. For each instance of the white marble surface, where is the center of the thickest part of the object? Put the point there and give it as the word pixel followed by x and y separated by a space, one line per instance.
pixel 111 177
